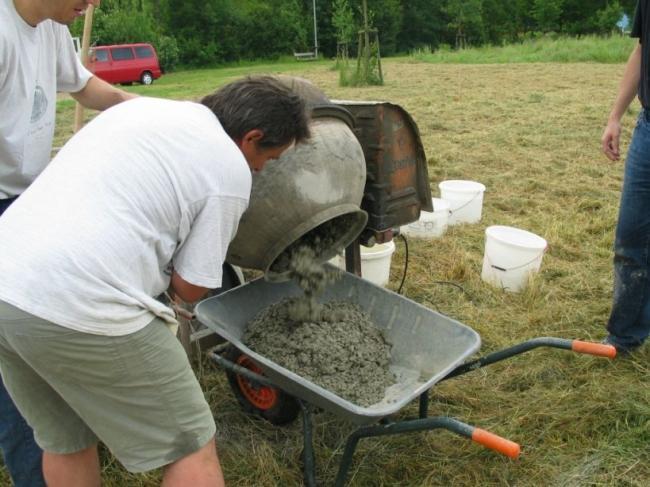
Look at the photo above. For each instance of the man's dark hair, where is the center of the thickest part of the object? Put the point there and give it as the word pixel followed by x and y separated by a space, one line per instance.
pixel 264 103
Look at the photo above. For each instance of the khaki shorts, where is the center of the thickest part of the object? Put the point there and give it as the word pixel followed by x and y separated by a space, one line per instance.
pixel 136 393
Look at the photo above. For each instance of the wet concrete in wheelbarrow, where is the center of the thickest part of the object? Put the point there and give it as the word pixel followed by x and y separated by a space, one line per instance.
pixel 334 345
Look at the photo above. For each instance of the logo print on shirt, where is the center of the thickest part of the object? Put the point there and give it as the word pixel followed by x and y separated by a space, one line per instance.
pixel 40 104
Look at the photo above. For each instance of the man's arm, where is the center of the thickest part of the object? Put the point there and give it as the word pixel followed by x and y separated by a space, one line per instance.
pixel 100 95
pixel 626 92
pixel 186 291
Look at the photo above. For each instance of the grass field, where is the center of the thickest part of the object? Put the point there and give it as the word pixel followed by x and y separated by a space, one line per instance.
pixel 546 49
pixel 530 133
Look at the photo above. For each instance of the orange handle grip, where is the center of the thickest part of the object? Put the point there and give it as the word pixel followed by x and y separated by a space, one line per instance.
pixel 599 349
pixel 495 442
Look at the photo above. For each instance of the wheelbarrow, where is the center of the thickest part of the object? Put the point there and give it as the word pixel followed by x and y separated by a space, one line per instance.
pixel 427 348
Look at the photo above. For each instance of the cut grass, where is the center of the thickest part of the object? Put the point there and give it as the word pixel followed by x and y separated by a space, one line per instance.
pixel 531 134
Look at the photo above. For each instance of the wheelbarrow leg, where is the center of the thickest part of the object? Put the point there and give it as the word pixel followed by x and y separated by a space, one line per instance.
pixel 424 404
pixel 485 438
pixel 308 459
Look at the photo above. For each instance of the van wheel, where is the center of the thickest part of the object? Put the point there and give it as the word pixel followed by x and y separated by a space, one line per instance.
pixel 146 78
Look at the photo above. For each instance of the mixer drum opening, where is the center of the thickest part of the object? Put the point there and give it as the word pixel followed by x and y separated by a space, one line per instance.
pixel 326 239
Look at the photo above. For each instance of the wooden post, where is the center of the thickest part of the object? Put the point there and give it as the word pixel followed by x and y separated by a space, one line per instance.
pixel 85 43
pixel 315 32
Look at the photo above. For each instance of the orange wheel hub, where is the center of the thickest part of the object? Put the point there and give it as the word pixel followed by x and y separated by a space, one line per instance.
pixel 262 397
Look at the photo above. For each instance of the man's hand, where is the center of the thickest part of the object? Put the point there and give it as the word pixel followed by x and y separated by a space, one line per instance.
pixel 627 91
pixel 176 304
pixel 610 140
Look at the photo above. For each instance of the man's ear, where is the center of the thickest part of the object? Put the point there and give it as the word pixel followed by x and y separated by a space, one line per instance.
pixel 253 136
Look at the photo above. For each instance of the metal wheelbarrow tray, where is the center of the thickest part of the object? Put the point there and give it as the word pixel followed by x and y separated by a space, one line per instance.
pixel 425 345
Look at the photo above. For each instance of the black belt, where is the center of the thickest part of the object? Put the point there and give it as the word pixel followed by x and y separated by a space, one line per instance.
pixel 5 203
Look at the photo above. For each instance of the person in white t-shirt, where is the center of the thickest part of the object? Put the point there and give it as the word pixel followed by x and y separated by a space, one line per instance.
pixel 37 59
pixel 145 198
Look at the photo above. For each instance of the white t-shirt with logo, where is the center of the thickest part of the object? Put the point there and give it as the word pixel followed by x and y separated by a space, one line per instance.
pixel 35 63
pixel 146 185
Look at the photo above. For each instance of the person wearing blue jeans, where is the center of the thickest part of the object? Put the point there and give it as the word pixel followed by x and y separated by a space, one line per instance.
pixel 22 456
pixel 629 321
pixel 37 59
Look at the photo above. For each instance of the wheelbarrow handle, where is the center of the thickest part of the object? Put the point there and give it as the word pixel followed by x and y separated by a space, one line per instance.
pixel 598 349
pixel 496 443
pixel 579 346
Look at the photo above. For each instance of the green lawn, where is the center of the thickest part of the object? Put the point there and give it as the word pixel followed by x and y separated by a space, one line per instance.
pixel 546 49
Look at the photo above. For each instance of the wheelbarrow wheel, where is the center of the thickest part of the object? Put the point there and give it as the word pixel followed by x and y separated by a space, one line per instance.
pixel 271 403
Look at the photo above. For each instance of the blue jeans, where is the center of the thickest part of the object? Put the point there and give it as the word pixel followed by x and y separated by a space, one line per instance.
pixel 22 456
pixel 629 322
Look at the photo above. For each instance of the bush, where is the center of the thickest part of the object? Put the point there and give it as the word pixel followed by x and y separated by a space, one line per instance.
pixel 605 20
pixel 168 53
pixel 194 52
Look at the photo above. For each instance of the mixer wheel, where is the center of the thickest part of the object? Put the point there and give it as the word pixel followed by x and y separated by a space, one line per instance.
pixel 271 403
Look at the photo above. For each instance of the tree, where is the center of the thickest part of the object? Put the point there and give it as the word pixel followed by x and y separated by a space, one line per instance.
pixel 272 28
pixel 606 18
pixel 386 16
pixel 466 20
pixel 501 21
pixel 200 37
pixel 343 21
pixel 547 14
pixel 209 32
pixel 425 23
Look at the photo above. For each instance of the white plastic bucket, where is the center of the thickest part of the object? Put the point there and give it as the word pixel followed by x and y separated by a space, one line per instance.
pixel 465 200
pixel 431 224
pixel 375 262
pixel 511 255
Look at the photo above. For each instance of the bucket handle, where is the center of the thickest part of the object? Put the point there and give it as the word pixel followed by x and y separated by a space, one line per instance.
pixel 503 269
pixel 466 203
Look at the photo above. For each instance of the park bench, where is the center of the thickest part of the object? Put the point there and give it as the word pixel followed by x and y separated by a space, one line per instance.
pixel 304 56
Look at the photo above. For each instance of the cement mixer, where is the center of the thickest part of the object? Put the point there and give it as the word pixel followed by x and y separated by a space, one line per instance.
pixel 310 196
pixel 362 174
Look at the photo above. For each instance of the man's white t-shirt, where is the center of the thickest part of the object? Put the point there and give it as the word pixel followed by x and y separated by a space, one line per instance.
pixel 35 63
pixel 146 184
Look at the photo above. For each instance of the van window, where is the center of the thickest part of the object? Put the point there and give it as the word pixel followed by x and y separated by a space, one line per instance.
pixel 143 51
pixel 121 53
pixel 101 55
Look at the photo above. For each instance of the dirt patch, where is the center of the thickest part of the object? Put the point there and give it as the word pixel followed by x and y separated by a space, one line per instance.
pixel 334 345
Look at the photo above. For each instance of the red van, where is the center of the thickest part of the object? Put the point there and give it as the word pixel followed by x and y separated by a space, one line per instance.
pixel 125 63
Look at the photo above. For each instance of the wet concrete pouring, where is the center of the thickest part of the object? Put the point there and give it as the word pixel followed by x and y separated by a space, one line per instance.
pixel 334 345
